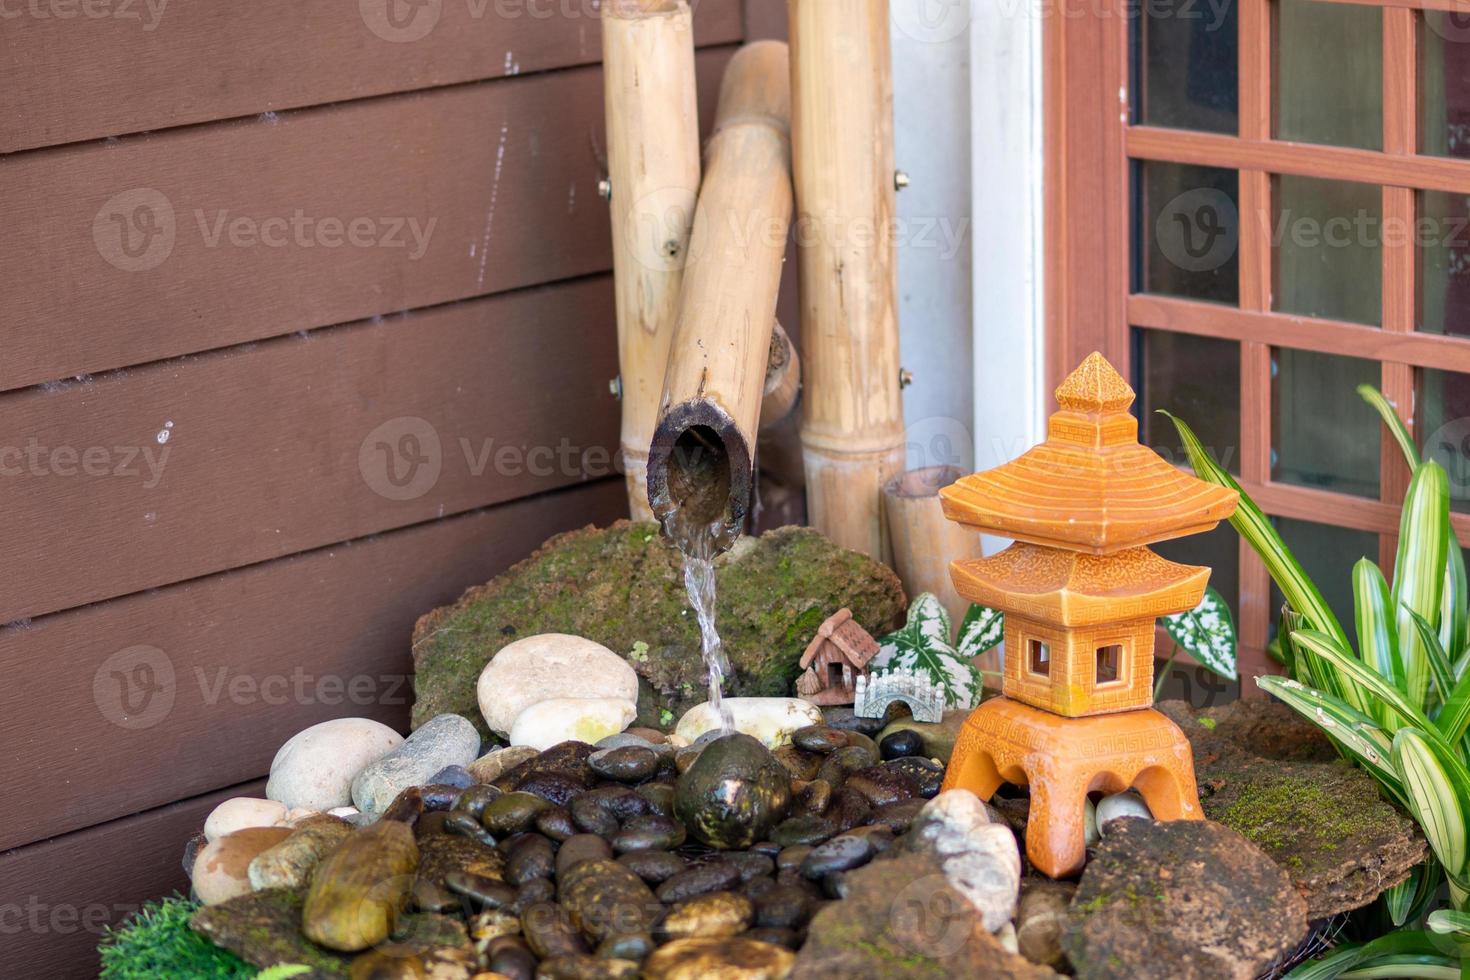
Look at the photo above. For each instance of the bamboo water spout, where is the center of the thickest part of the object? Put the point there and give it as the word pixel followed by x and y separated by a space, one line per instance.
pixel 700 462
pixel 842 141
pixel 653 173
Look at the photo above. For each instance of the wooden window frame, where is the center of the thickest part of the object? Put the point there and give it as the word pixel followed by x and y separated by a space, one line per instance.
pixel 1089 144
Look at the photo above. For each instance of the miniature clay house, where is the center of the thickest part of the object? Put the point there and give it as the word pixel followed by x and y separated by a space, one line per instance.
pixel 834 660
pixel 1081 591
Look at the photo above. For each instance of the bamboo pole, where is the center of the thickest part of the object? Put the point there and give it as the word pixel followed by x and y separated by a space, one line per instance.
pixel 700 459
pixel 842 156
pixel 653 173
pixel 783 380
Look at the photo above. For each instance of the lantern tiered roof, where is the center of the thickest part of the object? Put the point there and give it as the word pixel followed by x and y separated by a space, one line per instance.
pixel 1090 486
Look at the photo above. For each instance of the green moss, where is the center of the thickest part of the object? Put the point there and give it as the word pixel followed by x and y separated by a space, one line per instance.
pixel 1290 812
pixel 623 587
pixel 157 942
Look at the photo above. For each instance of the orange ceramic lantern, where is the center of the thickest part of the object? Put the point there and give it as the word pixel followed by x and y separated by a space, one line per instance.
pixel 1081 592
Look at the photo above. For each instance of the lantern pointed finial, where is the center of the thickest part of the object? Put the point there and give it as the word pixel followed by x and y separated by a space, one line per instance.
pixel 1095 387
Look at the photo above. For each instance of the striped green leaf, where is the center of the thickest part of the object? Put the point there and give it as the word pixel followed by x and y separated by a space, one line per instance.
pixel 1407 966
pixel 1391 419
pixel 1453 610
pixel 1358 735
pixel 1439 665
pixel 1377 636
pixel 1453 718
pixel 1384 949
pixel 1253 525
pixel 1418 576
pixel 1361 684
pixel 1438 788
pixel 1448 921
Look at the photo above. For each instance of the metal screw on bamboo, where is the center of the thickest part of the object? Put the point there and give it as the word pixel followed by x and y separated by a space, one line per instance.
pixel 700 464
pixel 842 156
pixel 653 164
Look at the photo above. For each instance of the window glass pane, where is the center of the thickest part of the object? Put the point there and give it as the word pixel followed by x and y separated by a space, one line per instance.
pixel 1442 234
pixel 1329 73
pixel 1197 379
pixel 1328 554
pixel 1444 84
pixel 1185 60
pixel 1443 406
pixel 1327 243
pixel 1187 231
pixel 1220 550
pixel 1323 434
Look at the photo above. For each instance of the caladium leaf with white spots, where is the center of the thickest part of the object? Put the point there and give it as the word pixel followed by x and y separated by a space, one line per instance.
pixel 1207 632
pixel 923 646
pixel 982 629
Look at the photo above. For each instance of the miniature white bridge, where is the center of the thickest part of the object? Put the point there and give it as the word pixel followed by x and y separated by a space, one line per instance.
pixel 874 694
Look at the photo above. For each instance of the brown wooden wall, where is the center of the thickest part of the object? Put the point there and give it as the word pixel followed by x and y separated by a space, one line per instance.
pixel 307 327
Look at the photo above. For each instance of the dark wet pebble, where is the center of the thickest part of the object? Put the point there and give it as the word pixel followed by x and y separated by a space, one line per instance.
pixel 584 966
pixel 901 744
pixel 456 776
pixel 882 785
pixel 798 763
pixel 533 856
pixel 509 956
pixel 699 880
pixel 549 931
pixel 629 764
pixel 486 893
pixel 897 817
pixel 439 797
pixel 927 774
pixel 590 818
pixel 622 802
pixel 791 857
pixel 834 886
pixel 634 946
pixel 845 719
pixel 653 866
pixel 456 822
pixel 767 847
pixel 814 797
pixel 842 853
pixel 750 865
pixel 552 787
pixel 776 937
pixel 805 829
pixel 431 823
pixel 842 763
pixel 534 892
pixel 476 798
pixel 880 836
pixel 783 907
pixel 556 823
pixel 649 833
pixel 513 813
pixel 660 797
pixel 429 897
pixel 756 887
pixel 848 809
pixel 582 847
pixel 819 738
pixel 568 759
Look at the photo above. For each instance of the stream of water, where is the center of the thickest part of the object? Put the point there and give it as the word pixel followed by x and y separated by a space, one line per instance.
pixel 698 544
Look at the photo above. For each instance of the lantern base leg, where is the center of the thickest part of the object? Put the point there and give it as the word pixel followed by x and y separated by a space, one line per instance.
pixel 1064 759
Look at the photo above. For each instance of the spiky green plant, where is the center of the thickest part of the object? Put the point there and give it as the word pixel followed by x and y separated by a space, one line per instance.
pixel 1399 705
pixel 157 942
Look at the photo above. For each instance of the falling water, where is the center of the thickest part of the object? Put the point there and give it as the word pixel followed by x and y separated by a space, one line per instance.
pixel 698 548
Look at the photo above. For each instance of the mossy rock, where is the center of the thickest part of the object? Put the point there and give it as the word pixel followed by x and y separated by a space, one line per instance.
pixel 623 586
pixel 1261 772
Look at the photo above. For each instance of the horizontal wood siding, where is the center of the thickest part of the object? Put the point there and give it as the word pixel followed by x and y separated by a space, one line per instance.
pixel 57 898
pixel 295 443
pixel 257 229
pixel 239 662
pixel 306 330
pixel 136 65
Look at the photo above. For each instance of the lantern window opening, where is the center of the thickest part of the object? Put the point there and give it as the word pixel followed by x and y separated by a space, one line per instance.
pixel 1039 660
pixel 1109 665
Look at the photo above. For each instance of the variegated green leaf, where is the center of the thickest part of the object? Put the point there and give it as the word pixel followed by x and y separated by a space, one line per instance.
pixel 1365 683
pixel 923 646
pixel 1453 625
pixel 981 630
pixel 1438 788
pixel 1453 718
pixel 1377 635
pixel 1207 632
pixel 1253 525
pixel 1383 952
pixel 1439 665
pixel 1418 575
pixel 1391 419
pixel 1448 921
pixel 1359 735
